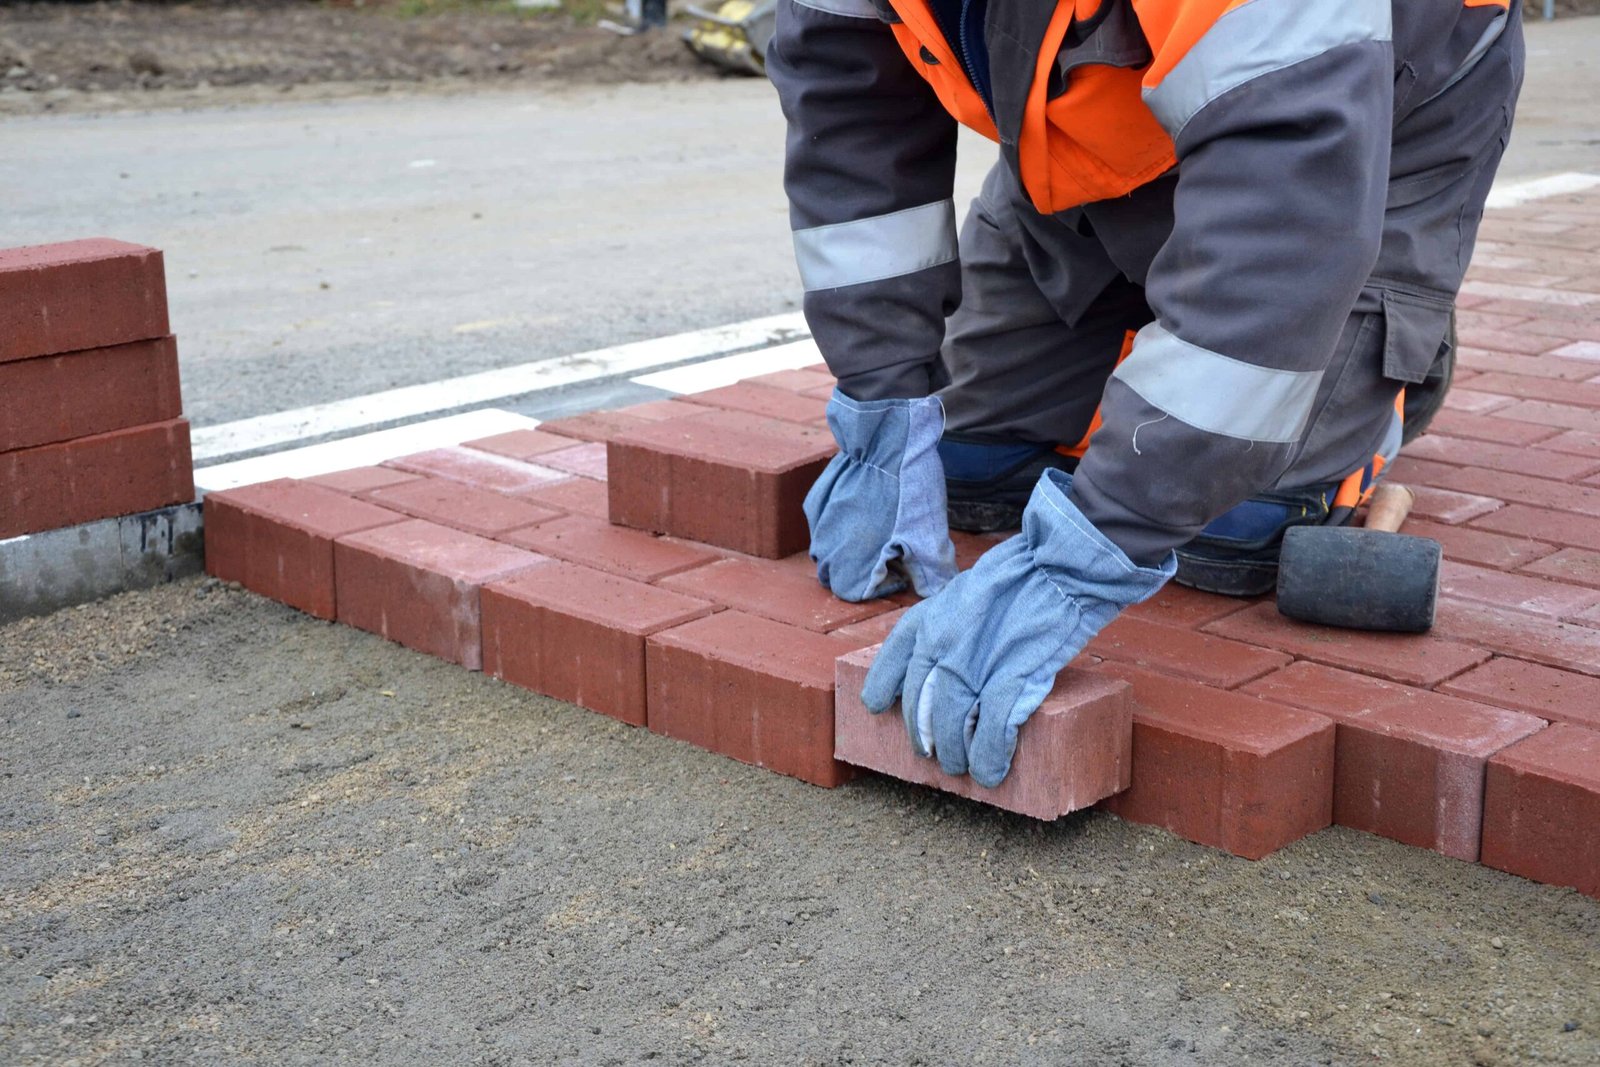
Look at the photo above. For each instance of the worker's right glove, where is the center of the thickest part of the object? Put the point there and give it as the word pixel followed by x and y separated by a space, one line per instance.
pixel 877 513
pixel 973 663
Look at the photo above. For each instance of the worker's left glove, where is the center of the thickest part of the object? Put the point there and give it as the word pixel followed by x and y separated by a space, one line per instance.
pixel 877 513
pixel 974 662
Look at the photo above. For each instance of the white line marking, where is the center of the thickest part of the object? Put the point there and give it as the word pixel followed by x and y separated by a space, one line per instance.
pixel 715 373
pixel 232 438
pixel 1513 193
pixel 362 451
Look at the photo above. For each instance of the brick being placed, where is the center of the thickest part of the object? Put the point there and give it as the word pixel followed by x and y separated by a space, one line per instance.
pixel 102 476
pixel 79 295
pixel 1542 808
pixel 578 634
pixel 60 398
pixel 1224 769
pixel 725 478
pixel 1075 750
pixel 419 584
pixel 750 688
pixel 276 538
pixel 1408 763
pixel 785 591
pixel 617 550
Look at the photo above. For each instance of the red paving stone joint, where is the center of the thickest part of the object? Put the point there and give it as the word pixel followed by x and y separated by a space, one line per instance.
pixel 418 584
pixel 1072 752
pixel 461 506
pixel 1184 653
pixel 725 478
pixel 579 635
pixel 615 549
pixel 757 399
pixel 78 295
pixel 1408 763
pixel 59 398
pixel 484 470
pixel 1414 659
pixel 363 479
pixel 1559 696
pixel 756 690
pixel 276 538
pixel 526 445
pixel 775 589
pixel 1542 809
pixel 1224 769
pixel 97 477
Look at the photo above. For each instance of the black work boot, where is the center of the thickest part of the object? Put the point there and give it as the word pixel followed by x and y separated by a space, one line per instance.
pixel 988 484
pixel 1237 554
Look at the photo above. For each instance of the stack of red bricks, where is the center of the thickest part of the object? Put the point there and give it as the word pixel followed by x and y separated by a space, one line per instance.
pixel 649 563
pixel 91 422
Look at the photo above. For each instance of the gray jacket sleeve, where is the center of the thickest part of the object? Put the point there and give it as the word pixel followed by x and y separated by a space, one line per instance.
pixel 1281 116
pixel 869 171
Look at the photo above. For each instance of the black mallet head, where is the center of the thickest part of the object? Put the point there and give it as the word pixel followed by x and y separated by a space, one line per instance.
pixel 1359 579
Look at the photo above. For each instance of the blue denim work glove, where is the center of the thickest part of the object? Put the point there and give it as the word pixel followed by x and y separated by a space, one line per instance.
pixel 877 513
pixel 975 661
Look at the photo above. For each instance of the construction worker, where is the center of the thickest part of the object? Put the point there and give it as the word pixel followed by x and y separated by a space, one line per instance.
pixel 1221 237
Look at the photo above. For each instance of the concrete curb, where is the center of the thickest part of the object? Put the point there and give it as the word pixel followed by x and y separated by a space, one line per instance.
pixel 44 572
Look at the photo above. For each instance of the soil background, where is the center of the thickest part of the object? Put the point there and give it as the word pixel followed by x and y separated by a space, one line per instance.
pixel 108 55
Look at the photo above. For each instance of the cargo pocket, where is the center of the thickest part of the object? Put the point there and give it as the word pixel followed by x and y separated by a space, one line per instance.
pixel 1415 328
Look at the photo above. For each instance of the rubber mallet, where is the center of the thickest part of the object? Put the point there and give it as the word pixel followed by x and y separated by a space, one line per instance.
pixel 1364 578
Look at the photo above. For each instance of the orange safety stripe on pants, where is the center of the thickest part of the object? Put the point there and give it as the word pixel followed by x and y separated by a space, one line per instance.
pixel 1352 493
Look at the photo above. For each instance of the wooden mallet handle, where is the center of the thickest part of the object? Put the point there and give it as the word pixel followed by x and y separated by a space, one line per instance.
pixel 1389 507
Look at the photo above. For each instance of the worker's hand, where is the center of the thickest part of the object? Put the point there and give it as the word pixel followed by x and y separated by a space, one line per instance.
pixel 972 663
pixel 877 514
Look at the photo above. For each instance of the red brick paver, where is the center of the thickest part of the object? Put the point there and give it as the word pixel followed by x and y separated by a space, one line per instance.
pixel 79 295
pixel 1542 808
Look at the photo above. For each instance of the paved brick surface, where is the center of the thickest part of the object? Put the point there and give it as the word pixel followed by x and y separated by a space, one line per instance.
pixel 1542 808
pixel 587 460
pixel 1224 769
pixel 1075 750
pixel 871 631
pixel 276 538
pixel 526 445
pixel 461 506
pixel 1423 660
pixel 579 635
pixel 1555 644
pixel 765 400
pixel 1184 653
pixel 615 549
pixel 418 584
pixel 59 398
pixel 1408 764
pixel 474 467
pixel 724 477
pixel 363 479
pixel 578 496
pixel 604 425
pixel 97 477
pixel 79 295
pixel 749 688
pixel 1560 696
pixel 773 590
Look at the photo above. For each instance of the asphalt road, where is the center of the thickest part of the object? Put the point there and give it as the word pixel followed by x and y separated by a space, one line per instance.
pixel 323 250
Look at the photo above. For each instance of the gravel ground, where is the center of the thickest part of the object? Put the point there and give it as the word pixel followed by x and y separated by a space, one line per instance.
pixel 376 856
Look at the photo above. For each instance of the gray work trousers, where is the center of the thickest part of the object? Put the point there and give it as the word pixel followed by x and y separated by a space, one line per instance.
pixel 1048 300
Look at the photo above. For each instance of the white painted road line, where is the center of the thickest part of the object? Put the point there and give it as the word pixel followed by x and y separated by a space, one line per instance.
pixel 412 401
pixel 362 451
pixel 715 373
pixel 1511 194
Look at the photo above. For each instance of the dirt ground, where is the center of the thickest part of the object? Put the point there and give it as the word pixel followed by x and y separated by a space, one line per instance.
pixel 112 55
pixel 378 857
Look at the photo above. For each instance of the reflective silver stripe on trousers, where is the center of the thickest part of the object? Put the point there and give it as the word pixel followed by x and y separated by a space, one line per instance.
pixel 1257 38
pixel 850 9
pixel 884 246
pixel 1216 393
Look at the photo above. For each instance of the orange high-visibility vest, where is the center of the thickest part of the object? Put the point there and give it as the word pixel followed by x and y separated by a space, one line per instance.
pixel 1097 139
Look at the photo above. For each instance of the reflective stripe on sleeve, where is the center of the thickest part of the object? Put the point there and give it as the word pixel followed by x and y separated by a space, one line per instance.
pixel 1216 393
pixel 1256 38
pixel 884 246
pixel 850 9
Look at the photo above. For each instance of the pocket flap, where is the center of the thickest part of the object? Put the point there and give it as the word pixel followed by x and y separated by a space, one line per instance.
pixel 1414 330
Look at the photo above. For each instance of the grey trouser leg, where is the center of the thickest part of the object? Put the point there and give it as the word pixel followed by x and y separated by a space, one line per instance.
pixel 1042 320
